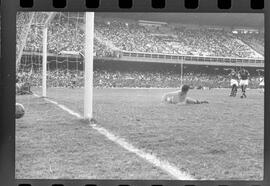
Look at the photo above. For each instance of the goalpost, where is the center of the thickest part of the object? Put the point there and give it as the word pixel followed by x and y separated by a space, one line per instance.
pixel 88 68
pixel 44 54
pixel 38 50
pixel 44 61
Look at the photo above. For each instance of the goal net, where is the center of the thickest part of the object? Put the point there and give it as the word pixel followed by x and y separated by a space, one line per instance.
pixel 51 51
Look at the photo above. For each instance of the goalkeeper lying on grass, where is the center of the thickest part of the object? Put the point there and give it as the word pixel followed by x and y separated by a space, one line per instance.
pixel 180 97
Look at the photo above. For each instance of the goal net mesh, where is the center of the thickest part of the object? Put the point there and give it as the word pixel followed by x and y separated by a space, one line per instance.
pixel 65 47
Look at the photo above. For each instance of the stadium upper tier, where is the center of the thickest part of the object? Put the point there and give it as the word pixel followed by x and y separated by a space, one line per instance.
pixel 67 34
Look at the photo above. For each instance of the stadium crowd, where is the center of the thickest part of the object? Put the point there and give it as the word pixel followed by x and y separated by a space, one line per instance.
pixel 64 34
pixel 255 40
pixel 135 79
pixel 67 34
pixel 131 36
pixel 111 35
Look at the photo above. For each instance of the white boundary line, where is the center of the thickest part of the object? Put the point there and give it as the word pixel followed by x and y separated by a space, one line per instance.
pixel 163 165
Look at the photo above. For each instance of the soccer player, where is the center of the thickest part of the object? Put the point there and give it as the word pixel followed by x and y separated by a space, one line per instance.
pixel 234 82
pixel 23 88
pixel 180 97
pixel 243 75
pixel 261 79
pixel 261 85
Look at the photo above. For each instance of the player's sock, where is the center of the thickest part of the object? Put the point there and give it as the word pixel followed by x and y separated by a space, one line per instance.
pixel 244 94
pixel 231 92
pixel 205 102
pixel 201 102
pixel 242 88
pixel 235 91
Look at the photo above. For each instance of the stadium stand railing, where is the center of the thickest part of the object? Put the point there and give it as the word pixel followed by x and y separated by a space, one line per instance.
pixel 190 58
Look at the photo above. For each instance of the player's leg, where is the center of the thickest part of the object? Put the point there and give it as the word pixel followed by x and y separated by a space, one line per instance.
pixel 244 91
pixel 235 90
pixel 242 87
pixel 194 101
pixel 245 88
pixel 232 90
pixel 234 85
pixel 191 101
pixel 261 86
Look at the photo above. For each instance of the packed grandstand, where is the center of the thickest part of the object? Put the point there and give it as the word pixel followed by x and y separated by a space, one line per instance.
pixel 114 35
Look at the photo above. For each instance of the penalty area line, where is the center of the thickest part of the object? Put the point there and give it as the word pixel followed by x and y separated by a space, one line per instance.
pixel 154 160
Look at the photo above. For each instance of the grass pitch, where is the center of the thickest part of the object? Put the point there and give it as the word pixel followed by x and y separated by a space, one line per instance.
pixel 222 140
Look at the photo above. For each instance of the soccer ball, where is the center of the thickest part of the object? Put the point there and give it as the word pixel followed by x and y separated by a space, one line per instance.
pixel 19 111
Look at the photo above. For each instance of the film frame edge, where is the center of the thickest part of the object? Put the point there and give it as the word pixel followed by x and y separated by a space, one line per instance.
pixel 7 71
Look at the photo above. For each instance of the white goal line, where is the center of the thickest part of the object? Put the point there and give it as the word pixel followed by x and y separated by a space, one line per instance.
pixel 151 158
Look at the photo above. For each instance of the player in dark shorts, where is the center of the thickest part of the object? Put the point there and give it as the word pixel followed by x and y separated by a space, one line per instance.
pixel 234 82
pixel 244 76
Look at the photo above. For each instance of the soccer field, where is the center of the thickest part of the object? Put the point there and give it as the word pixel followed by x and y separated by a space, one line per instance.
pixel 220 140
